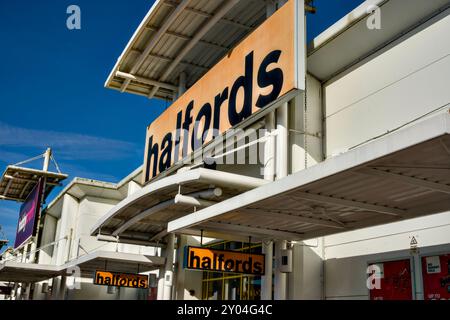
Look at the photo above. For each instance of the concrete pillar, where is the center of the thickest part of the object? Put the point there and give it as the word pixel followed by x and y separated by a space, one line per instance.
pixel 168 270
pixel 266 280
pixel 280 277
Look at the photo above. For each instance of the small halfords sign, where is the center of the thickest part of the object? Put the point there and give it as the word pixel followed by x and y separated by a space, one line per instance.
pixel 106 278
pixel 223 261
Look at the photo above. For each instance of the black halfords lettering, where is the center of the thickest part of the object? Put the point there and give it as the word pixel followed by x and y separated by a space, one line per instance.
pixel 120 280
pixel 219 263
pixel 209 113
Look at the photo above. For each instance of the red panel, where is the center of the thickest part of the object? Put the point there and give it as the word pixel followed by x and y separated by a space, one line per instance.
pixel 396 283
pixel 436 283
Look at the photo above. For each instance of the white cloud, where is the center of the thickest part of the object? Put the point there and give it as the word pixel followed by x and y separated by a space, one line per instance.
pixel 77 171
pixel 69 146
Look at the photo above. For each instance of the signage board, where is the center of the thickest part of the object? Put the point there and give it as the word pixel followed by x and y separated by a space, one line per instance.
pixel 29 215
pixel 433 264
pixel 198 258
pixel 395 281
pixel 436 277
pixel 129 280
pixel 258 72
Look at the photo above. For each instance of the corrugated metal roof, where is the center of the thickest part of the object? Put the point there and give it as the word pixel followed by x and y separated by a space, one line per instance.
pixel 16 183
pixel 149 54
pixel 337 42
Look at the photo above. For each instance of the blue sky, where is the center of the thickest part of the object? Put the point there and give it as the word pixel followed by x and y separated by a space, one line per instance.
pixel 52 93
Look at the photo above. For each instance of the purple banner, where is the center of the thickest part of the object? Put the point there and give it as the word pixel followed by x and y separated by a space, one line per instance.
pixel 28 216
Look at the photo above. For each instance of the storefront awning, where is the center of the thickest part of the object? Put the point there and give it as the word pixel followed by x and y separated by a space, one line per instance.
pixel 399 176
pixel 114 262
pixel 181 37
pixel 143 216
pixel 11 271
pixel 16 183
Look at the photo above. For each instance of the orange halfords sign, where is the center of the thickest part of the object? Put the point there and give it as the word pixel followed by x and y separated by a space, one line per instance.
pixel 265 66
pixel 223 261
pixel 129 280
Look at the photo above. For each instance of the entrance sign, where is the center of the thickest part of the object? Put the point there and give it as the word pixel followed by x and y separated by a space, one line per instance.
pixel 129 280
pixel 206 259
pixel 29 215
pixel 258 72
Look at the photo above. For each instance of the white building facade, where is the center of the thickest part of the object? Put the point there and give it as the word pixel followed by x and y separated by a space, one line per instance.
pixel 355 178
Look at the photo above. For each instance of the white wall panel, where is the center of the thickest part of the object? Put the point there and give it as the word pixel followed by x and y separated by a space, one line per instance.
pixel 402 83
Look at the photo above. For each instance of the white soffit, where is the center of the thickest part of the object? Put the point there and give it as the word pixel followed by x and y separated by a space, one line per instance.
pixel 179 36
pixel 143 216
pixel 403 175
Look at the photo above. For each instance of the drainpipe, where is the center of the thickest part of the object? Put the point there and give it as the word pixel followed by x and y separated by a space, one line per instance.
pixel 269 173
pixel 282 171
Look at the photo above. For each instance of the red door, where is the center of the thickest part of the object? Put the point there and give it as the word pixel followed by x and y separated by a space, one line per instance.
pixel 395 282
pixel 436 277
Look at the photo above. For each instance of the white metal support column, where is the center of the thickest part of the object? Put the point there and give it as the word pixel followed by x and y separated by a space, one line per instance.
pixel 62 288
pixel 280 277
pixel 160 289
pixel 266 281
pixel 181 274
pixel 168 270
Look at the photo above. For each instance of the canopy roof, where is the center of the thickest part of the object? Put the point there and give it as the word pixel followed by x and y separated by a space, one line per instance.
pixel 101 260
pixel 144 215
pixel 402 175
pixel 188 36
pixel 17 182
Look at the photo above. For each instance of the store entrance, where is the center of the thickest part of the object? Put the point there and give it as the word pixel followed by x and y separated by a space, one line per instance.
pixel 231 286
